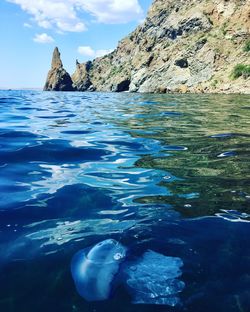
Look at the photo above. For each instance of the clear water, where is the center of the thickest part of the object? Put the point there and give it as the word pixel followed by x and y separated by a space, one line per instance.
pixel 163 172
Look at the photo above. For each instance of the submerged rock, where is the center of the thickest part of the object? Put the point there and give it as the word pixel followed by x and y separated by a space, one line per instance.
pixel 58 79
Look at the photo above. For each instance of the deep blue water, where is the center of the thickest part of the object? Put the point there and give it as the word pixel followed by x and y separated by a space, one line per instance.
pixel 168 173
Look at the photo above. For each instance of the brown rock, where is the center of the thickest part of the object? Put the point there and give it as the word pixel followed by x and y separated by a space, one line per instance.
pixel 80 78
pixel 56 59
pixel 183 89
pixel 58 79
pixel 182 46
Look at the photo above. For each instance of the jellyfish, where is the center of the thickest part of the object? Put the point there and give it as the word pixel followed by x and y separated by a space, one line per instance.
pixel 149 279
pixel 94 269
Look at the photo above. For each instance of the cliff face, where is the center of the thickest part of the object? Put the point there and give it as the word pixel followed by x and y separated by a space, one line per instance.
pixel 81 79
pixel 183 46
pixel 58 79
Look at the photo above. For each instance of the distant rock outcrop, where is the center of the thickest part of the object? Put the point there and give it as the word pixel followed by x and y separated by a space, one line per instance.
pixel 80 78
pixel 182 46
pixel 58 79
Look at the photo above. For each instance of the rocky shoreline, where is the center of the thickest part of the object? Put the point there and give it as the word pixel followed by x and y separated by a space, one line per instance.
pixel 195 46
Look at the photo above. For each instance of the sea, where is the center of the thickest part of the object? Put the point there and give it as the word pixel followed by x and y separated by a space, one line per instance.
pixel 163 173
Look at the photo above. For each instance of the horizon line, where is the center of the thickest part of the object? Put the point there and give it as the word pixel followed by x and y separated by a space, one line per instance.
pixel 20 88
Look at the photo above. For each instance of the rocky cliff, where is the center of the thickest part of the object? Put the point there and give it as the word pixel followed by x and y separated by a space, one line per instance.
pixel 182 46
pixel 58 79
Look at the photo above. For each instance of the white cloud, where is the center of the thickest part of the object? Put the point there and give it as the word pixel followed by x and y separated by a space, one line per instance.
pixel 27 25
pixel 58 14
pixel 65 15
pixel 100 53
pixel 89 52
pixel 43 38
pixel 86 51
pixel 112 11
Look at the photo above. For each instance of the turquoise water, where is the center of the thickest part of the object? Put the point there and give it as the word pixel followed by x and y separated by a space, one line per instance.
pixel 168 173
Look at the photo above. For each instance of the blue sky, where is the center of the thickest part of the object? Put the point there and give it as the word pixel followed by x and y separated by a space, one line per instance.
pixel 82 29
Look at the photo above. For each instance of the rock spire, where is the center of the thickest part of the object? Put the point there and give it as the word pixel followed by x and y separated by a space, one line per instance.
pixel 58 79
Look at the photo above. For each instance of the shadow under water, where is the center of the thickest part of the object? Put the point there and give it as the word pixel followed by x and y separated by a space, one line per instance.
pixel 167 173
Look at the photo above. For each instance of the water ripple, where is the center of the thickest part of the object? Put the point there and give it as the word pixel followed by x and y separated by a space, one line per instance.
pixel 162 172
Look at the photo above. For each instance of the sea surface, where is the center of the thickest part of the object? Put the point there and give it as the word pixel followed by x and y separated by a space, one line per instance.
pixel 168 173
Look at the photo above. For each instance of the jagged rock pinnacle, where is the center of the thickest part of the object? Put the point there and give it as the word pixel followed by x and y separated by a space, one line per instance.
pixel 56 59
pixel 58 79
